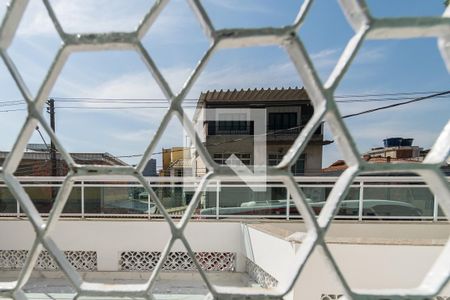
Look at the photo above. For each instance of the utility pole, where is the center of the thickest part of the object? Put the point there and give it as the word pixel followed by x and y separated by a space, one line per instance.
pixel 51 111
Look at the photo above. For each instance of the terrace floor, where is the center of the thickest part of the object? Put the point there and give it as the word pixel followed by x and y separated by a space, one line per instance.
pixel 51 285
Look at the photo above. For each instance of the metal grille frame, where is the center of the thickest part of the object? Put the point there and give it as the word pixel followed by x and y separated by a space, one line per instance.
pixel 365 27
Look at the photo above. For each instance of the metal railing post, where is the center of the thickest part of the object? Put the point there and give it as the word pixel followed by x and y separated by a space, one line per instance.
pixel 148 204
pixel 435 208
pixel 288 204
pixel 18 208
pixel 82 199
pixel 217 199
pixel 361 200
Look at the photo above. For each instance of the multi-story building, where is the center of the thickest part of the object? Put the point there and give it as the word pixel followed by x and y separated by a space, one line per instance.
pixel 223 121
pixel 233 122
pixel 176 162
pixel 150 168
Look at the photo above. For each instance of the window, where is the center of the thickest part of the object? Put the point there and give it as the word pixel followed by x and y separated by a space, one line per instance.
pixel 232 123
pixel 285 120
pixel 274 159
pixel 177 172
pixel 297 169
pixel 307 113
pixel 232 127
pixel 221 158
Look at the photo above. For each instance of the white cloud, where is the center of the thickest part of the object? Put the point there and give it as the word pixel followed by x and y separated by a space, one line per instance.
pixel 369 55
pixel 238 76
pixel 101 16
pixel 177 22
pixel 84 16
pixel 136 136
pixel 35 21
pixel 144 122
pixel 128 86
pixel 325 60
pixel 141 85
pixel 131 85
pixel 325 53
pixel 241 6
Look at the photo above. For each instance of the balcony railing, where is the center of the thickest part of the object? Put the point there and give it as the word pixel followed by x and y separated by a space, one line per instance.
pixel 369 198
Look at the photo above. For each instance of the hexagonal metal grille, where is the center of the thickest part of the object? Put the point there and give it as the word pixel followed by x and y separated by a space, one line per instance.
pixel 365 27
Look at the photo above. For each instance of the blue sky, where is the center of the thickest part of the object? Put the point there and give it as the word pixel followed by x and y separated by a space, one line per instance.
pixel 176 42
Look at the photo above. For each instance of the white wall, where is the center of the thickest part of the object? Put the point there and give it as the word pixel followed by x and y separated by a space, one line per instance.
pixel 109 238
pixel 365 265
pixel 377 229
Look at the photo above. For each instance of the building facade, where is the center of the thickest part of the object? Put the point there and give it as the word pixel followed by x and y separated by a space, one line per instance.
pixel 233 122
pixel 176 161
pixel 223 121
pixel 150 168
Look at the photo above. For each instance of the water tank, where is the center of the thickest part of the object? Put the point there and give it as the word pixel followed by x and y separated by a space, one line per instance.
pixel 393 142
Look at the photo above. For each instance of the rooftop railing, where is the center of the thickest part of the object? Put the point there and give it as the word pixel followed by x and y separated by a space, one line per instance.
pixel 369 198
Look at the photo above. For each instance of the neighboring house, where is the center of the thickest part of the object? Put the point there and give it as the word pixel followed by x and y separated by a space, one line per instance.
pixel 36 161
pixel 176 162
pixel 395 150
pixel 228 123
pixel 287 112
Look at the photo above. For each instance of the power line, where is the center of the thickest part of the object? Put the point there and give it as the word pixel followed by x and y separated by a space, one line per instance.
pixel 440 94
pixel 194 106
pixel 165 100
pixel 396 104
pixel 434 95
pixel 385 94
pixel 189 104
pixel 154 101
pixel 11 104
pixel 112 107
pixel 220 143
pixel 13 101
pixel 11 110
pixel 196 99
pixel 382 99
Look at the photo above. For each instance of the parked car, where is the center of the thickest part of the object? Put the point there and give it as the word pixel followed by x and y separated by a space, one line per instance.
pixel 371 207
